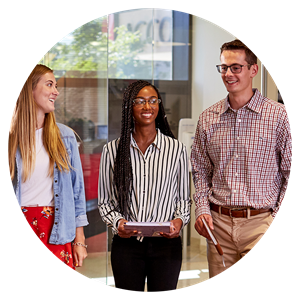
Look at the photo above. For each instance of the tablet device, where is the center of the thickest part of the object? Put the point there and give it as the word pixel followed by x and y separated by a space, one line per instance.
pixel 148 228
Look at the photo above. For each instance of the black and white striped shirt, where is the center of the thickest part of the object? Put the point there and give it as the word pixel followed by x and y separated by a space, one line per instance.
pixel 160 183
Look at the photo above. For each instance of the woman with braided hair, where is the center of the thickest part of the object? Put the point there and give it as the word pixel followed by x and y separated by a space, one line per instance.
pixel 144 178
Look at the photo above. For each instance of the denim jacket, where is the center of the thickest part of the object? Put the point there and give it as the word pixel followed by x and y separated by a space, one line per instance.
pixel 68 189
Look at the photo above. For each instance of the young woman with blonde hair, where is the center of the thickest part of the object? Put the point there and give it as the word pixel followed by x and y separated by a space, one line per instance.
pixel 46 171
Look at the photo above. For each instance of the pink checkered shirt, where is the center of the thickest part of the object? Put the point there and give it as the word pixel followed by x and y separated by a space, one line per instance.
pixel 242 158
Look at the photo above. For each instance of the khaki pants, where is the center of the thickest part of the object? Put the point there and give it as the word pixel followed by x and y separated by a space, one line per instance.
pixel 236 236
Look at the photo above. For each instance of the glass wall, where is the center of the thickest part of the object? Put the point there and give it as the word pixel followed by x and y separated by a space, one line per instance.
pixel 152 45
pixel 80 64
pixel 93 65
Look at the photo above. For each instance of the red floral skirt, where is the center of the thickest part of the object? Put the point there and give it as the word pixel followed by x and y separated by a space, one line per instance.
pixel 41 220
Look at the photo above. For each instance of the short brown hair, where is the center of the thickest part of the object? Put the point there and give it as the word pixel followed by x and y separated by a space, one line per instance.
pixel 251 58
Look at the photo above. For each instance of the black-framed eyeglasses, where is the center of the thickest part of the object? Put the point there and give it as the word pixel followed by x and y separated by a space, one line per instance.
pixel 142 102
pixel 235 68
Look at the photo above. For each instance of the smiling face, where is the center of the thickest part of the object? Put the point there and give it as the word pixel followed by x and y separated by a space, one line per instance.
pixel 237 84
pixel 145 115
pixel 45 94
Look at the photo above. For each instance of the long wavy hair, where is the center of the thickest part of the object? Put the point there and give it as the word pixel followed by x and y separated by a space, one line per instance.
pixel 123 168
pixel 23 127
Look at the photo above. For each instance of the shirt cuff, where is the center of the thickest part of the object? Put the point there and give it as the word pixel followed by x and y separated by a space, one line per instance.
pixel 202 211
pixel 115 222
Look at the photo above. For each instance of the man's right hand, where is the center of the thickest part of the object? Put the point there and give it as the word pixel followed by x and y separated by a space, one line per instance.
pixel 199 226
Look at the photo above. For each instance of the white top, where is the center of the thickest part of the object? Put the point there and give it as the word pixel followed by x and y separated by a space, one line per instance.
pixel 38 189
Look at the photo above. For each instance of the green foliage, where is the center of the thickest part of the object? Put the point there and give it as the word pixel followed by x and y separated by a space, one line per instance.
pixel 92 50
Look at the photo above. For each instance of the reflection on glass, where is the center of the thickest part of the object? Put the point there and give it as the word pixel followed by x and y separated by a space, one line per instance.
pixel 145 39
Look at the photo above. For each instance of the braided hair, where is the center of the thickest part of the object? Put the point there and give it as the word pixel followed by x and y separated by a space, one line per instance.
pixel 123 169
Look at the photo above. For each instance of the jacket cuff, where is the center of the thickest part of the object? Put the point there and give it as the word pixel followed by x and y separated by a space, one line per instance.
pixel 81 221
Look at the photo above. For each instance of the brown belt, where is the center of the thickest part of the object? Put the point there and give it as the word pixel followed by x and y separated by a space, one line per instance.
pixel 238 213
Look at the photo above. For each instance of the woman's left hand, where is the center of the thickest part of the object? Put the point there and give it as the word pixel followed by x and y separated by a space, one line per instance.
pixel 79 254
pixel 174 229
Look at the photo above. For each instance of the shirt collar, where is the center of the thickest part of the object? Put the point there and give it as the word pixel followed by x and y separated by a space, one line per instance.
pixel 157 141
pixel 255 103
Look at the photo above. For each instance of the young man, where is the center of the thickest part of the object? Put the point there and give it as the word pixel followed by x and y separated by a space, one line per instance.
pixel 241 159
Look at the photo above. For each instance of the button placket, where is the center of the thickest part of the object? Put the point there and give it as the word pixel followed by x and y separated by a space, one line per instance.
pixel 236 140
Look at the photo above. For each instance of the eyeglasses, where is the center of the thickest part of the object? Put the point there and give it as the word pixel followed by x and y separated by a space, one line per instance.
pixel 142 102
pixel 235 68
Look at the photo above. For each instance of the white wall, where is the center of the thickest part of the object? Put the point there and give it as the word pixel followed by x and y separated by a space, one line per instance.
pixel 207 85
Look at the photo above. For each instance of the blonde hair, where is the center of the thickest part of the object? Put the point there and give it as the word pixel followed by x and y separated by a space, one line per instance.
pixel 23 127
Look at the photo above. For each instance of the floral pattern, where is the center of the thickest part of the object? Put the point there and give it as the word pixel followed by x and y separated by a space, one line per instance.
pixel 41 220
pixel 47 211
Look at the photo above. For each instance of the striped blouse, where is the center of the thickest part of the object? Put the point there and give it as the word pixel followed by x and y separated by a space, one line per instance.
pixel 160 183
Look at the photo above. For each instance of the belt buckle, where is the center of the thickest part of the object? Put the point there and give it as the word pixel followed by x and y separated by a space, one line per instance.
pixel 230 215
